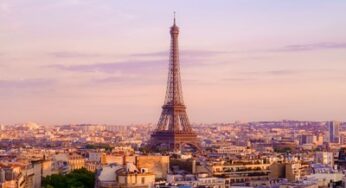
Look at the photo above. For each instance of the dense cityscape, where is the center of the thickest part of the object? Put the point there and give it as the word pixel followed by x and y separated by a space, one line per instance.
pixel 173 153
pixel 250 154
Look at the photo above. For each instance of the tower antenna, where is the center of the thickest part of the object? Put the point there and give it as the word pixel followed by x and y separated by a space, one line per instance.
pixel 174 17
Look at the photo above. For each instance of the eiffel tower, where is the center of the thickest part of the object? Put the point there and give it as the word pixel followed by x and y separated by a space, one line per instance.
pixel 173 130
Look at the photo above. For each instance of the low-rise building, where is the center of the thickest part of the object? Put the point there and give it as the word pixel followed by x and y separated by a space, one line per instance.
pixel 127 176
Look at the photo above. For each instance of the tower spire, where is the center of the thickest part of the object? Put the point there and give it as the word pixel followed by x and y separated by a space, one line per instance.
pixel 174 18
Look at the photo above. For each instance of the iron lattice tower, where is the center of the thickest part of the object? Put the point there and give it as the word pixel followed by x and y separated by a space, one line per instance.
pixel 174 129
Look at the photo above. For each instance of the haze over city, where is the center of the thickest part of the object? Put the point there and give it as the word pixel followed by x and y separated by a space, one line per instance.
pixel 74 61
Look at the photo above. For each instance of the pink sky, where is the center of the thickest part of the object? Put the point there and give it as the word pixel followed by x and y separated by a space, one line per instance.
pixel 74 61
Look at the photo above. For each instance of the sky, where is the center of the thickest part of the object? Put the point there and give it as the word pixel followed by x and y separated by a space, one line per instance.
pixel 106 61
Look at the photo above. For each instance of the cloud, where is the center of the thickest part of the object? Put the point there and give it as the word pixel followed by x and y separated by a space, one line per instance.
pixel 25 83
pixel 113 79
pixel 128 80
pixel 3 55
pixel 211 53
pixel 151 54
pixel 331 74
pixel 189 54
pixel 257 75
pixel 127 72
pixel 66 54
pixel 198 82
pixel 126 66
pixel 287 48
pixel 131 66
pixel 4 7
pixel 185 53
pixel 238 79
pixel 312 46
pixel 273 72
pixel 195 54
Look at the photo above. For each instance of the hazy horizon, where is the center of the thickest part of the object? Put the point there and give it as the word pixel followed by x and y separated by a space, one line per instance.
pixel 106 62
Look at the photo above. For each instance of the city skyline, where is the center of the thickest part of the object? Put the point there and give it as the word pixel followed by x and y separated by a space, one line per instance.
pixel 106 62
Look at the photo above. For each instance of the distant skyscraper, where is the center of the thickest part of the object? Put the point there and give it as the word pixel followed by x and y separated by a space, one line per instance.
pixel 333 130
pixel 174 129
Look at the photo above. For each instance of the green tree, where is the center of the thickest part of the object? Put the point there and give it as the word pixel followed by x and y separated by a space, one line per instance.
pixel 80 178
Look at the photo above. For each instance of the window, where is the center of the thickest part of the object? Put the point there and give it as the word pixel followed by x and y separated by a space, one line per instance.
pixel 143 180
